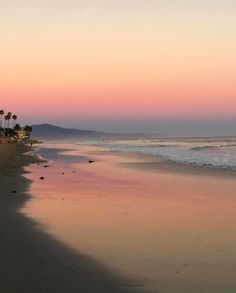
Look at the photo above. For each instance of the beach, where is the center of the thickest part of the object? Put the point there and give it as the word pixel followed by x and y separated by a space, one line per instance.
pixel 166 227
pixel 33 260
pixel 123 223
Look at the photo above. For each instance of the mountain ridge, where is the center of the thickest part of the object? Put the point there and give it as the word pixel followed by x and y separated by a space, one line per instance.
pixel 50 131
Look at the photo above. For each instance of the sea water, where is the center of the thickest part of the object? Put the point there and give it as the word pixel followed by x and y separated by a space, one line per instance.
pixel 210 152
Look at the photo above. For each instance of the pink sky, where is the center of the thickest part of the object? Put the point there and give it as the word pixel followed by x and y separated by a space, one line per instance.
pixel 169 59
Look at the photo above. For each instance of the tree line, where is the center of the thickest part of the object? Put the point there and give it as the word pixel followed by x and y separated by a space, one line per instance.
pixel 9 127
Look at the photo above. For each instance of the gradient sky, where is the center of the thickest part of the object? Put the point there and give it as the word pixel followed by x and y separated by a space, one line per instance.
pixel 124 65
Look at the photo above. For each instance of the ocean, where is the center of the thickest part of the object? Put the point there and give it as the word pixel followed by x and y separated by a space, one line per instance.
pixel 209 152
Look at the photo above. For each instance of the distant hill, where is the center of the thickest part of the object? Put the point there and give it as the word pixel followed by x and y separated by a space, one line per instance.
pixel 52 132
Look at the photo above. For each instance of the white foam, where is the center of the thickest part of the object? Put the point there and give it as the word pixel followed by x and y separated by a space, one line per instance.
pixel 220 153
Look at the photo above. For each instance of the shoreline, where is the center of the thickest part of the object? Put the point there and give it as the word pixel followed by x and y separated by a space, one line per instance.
pixel 155 163
pixel 31 259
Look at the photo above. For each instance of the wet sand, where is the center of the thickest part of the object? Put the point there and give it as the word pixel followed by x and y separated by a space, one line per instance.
pixel 33 260
pixel 168 227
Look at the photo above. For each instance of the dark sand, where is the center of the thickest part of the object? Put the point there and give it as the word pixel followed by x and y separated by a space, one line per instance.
pixel 31 260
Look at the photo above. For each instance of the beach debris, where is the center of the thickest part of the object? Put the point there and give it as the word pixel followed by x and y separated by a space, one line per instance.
pixel 73 171
pixel 63 173
pixel 13 191
pixel 91 161
pixel 41 178
pixel 46 166
pixel 177 272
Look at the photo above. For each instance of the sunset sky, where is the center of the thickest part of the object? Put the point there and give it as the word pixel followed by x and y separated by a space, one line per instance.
pixel 124 65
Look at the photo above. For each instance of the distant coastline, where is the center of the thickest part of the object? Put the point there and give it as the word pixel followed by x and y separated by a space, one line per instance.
pixel 51 132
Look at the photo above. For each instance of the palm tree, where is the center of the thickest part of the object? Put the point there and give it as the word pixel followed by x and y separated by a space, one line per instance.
pixel 14 117
pixel 9 118
pixel 1 114
pixel 6 117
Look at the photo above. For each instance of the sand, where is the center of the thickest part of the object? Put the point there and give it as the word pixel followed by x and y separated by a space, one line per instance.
pixel 170 227
pixel 126 223
pixel 33 261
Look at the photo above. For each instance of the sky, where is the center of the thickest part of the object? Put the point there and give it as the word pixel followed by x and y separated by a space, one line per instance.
pixel 128 65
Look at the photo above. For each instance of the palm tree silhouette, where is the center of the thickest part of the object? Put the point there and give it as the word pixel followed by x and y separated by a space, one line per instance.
pixel 1 114
pixel 14 117
pixel 9 118
pixel 5 123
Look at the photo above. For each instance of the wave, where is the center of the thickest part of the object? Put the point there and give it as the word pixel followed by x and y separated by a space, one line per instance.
pixel 199 148
pixel 203 153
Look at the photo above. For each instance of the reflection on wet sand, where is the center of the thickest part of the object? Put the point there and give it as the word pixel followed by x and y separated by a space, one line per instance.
pixel 34 261
pixel 171 232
